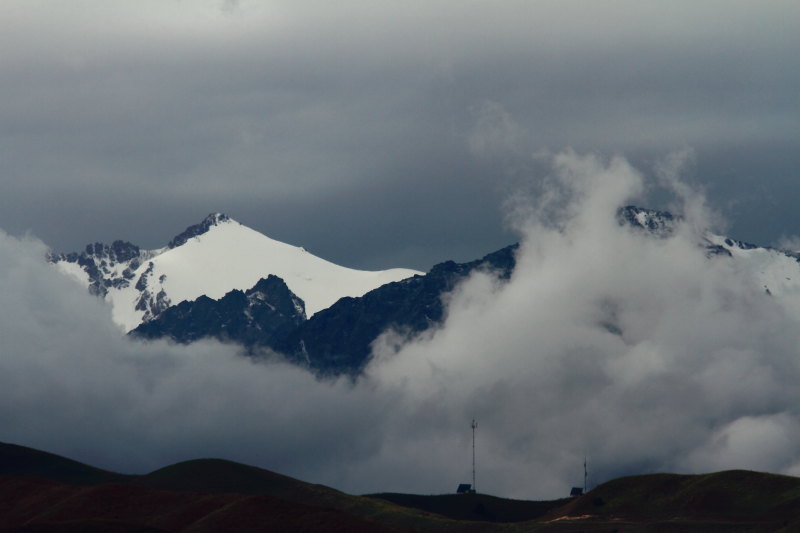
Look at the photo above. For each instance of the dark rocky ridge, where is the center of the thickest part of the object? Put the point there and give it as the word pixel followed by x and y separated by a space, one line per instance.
pixel 662 224
pixel 333 341
pixel 255 318
pixel 658 223
pixel 99 260
pixel 338 339
pixel 198 229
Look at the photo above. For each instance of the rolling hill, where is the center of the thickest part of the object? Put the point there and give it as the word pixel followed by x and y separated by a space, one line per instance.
pixel 41 492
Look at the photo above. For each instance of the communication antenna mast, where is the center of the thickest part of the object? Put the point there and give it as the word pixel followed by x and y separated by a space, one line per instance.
pixel 474 425
pixel 585 474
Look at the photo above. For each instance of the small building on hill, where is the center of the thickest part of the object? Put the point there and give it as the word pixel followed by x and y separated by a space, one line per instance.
pixel 576 491
pixel 464 488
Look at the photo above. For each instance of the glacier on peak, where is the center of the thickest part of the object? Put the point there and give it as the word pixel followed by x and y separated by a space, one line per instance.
pixel 210 259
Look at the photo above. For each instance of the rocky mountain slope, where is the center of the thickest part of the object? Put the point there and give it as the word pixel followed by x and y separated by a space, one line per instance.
pixel 259 317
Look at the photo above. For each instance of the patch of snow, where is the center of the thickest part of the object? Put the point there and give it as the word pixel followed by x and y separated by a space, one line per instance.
pixel 775 271
pixel 298 307
pixel 232 256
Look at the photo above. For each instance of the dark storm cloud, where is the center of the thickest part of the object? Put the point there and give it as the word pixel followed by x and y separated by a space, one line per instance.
pixel 699 371
pixel 134 121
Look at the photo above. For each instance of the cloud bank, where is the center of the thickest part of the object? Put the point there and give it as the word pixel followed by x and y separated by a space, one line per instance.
pixel 641 354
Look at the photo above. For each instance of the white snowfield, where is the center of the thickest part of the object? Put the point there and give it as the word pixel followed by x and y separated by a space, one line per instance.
pixel 775 271
pixel 232 256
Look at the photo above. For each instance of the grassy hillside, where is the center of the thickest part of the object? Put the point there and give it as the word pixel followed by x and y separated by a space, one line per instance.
pixel 40 491
pixel 476 507
pixel 37 505
pixel 735 500
pixel 22 461
pixel 726 501
pixel 45 493
pixel 215 476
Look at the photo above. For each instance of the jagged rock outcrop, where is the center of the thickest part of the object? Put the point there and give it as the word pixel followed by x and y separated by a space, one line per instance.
pixel 198 229
pixel 338 339
pixel 107 266
pixel 255 318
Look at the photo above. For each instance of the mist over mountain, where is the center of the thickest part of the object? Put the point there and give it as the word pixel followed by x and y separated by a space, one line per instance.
pixel 406 134
pixel 270 318
pixel 644 353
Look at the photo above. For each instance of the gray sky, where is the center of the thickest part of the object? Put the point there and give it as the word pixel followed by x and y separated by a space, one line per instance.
pixel 382 134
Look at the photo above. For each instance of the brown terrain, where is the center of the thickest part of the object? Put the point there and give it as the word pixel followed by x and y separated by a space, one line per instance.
pixel 44 493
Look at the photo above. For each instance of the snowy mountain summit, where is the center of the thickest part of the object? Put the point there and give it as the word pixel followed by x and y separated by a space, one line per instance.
pixel 221 280
pixel 211 259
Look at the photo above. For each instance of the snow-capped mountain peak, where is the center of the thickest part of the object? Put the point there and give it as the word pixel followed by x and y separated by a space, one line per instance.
pixel 211 258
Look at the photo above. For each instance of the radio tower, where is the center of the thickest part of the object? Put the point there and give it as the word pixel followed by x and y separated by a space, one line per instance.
pixel 474 425
pixel 585 474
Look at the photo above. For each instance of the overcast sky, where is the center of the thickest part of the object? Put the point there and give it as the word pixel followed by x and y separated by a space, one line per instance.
pixel 381 134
